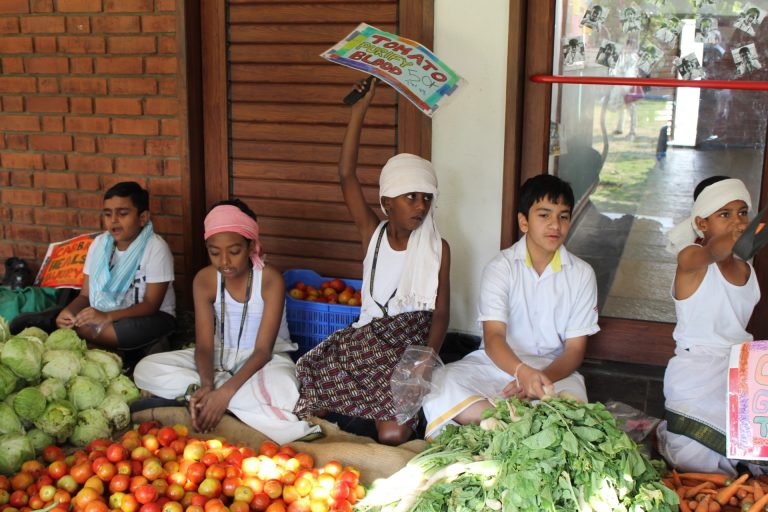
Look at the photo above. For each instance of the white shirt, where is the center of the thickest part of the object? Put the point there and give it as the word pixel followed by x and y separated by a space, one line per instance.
pixel 540 312
pixel 156 266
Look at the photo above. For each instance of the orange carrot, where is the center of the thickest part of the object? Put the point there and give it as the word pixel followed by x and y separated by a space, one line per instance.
pixel 714 506
pixel 683 501
pixel 676 479
pixel 726 492
pixel 715 478
pixel 703 505
pixel 758 491
pixel 693 491
pixel 759 504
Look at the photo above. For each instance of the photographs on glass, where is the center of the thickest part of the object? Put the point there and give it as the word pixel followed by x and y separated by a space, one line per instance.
pixel 573 51
pixel 689 67
pixel 669 30
pixel 706 30
pixel 745 58
pixel 749 18
pixel 595 16
pixel 630 19
pixel 647 57
pixel 608 54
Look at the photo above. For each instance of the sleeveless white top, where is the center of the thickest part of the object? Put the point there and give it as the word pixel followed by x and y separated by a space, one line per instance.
pixel 234 313
pixel 717 313
pixel 388 269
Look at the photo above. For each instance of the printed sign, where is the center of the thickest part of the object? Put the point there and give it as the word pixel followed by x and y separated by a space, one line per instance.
pixel 747 426
pixel 63 263
pixel 411 69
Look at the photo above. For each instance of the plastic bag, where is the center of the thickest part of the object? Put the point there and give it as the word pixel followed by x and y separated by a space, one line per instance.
pixel 411 381
pixel 634 422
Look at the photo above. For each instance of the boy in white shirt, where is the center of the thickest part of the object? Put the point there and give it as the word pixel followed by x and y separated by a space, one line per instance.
pixel 538 305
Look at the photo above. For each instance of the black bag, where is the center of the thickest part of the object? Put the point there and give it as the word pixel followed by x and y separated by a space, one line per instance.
pixel 17 273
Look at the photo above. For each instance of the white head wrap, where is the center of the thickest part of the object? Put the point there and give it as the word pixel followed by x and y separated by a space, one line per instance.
pixel 417 288
pixel 711 199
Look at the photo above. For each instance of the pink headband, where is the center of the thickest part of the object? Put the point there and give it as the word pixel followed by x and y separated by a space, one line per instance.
pixel 230 219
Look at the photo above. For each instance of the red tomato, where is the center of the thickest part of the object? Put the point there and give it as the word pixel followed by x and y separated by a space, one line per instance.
pixel 33 466
pixel 228 486
pixel 106 471
pixel 81 472
pixel 216 471
pixel 239 506
pixel 18 499
pixel 123 467
pixel 350 478
pixel 194 508
pixel 52 453
pixel 333 468
pixel 340 491
pixel 234 458
pixel 5 484
pixel 255 483
pixel 276 506
pixel 305 460
pixel 145 494
pixel 196 472
pixel 166 454
pixel 96 506
pixel 141 453
pixel 161 486
pixel 67 483
pixel 178 446
pixel 166 435
pixel 129 504
pixel 172 506
pixel 260 502
pixel 268 448
pixel 36 502
pixel 175 492
pixel 116 452
pixel 62 496
pixel 273 488
pixel 342 506
pixel 300 505
pixel 145 427
pixel 119 483
pixel 215 505
pixel 21 480
pixel 152 470
pixel 210 488
pixel 209 458
pixel 150 507
pixel 47 492
pixel 150 442
pixel 287 449
pixel 136 482
pixel 85 496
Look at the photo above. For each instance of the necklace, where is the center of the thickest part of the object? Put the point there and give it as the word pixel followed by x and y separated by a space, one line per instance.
pixel 222 315
pixel 385 307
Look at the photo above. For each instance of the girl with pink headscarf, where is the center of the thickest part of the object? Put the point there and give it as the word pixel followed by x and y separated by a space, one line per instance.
pixel 405 294
pixel 240 361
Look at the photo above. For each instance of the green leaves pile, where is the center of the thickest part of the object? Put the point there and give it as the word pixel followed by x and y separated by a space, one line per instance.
pixel 557 455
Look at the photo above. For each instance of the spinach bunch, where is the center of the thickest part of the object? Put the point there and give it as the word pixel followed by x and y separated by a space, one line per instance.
pixel 557 455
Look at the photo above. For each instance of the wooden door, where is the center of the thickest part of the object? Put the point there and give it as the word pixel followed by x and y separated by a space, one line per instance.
pixel 274 120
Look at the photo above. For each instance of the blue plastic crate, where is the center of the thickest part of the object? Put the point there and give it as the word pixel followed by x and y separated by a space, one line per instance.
pixel 311 322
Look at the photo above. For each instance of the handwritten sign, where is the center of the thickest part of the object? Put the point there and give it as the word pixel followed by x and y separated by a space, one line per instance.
pixel 63 263
pixel 747 435
pixel 406 65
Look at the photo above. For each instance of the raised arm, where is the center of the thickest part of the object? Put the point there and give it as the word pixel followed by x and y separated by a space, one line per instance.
pixel 364 217
pixel 441 315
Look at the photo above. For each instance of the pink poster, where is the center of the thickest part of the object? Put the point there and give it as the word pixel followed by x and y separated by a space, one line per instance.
pixel 747 435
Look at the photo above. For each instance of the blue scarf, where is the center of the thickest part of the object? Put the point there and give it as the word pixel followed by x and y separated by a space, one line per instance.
pixel 107 287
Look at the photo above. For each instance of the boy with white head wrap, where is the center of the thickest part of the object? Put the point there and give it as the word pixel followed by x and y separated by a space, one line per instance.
pixel 714 293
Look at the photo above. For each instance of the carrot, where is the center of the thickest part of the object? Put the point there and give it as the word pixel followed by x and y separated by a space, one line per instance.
pixel 714 506
pixel 759 504
pixel 703 505
pixel 693 491
pixel 715 478
pixel 684 507
pixel 676 479
pixel 726 492
pixel 669 483
pixel 759 493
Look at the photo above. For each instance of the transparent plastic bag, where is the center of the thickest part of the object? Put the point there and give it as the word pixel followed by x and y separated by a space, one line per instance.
pixel 411 381
pixel 634 422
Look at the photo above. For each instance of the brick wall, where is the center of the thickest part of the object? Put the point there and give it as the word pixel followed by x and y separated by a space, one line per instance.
pixel 88 97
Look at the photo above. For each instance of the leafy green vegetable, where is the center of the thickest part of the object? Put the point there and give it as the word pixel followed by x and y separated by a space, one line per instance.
pixel 9 421
pixel 8 381
pixel 35 332
pixel 61 364
pixel 85 392
pixel 556 455
pixel 53 389
pixel 17 449
pixel 23 357
pixel 65 339
pixel 58 419
pixel 29 403
pixel 91 424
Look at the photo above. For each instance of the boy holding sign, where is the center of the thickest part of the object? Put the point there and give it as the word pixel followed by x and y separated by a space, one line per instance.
pixel 714 294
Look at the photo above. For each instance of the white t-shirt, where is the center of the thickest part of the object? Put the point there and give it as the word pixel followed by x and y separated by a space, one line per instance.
pixel 156 266
pixel 540 312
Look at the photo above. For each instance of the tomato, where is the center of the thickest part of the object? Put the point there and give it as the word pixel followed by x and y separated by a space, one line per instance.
pixel 5 484
pixel 342 506
pixel 196 472
pixel 166 454
pixel 340 491
pixel 181 430
pixel 290 494
pixel 194 508
pixel 18 499
pixel 216 471
pixel 215 505
pixel 119 483
pixel 47 492
pixel 81 472
pixel 333 468
pixel 260 502
pixel 106 471
pixel 52 453
pixel 161 486
pixel 152 470
pixel 178 446
pixel 145 493
pixel 62 496
pixel 116 452
pixel 36 502
pixel 129 504
pixel 21 480
pixel 300 505
pixel 239 506
pixel 67 483
pixel 172 466
pixel 85 496
pixel 145 427
pixel 292 465
pixel 210 488
pixel 228 486
pixel 305 460
pixel 95 483
pixel 35 467
pixel 254 483
pixel 280 459
pixel 303 485
pixel 96 506
pixel 276 506
pixel 175 492
pixel 151 507
pixel 123 467
pixel 273 488
pixel 318 506
pixel 268 448
pixel 141 453
pixel 194 450
pixel 150 442
pixel 326 481
pixel 45 479
pixel 251 466
pixel 287 449
pixel 209 458
pixel 199 499
pixel 177 478
pixel 349 477
pixel 288 477
pixel 244 493
pixel 131 443
pixel 172 506
pixel 98 445
pixel 234 458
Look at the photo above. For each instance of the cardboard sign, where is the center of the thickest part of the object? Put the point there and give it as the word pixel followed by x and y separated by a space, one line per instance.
pixel 747 426
pixel 410 68
pixel 63 263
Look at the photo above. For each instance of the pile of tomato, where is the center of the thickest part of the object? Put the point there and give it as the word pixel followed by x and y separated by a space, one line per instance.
pixel 161 469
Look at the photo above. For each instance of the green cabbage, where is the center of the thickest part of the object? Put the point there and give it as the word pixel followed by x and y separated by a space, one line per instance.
pixel 53 389
pixel 85 393
pixel 109 361
pixel 123 386
pixel 91 424
pixel 29 403
pixel 65 339
pixel 40 439
pixel 61 364
pixel 9 399
pixel 5 331
pixel 9 421
pixel 8 381
pixel 35 332
pixel 93 370
pixel 58 419
pixel 116 411
pixel 23 357
pixel 17 449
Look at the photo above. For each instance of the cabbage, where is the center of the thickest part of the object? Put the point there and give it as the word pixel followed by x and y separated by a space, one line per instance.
pixel 85 393
pixel 53 389
pixel 93 370
pixel 17 449
pixel 65 339
pixel 61 364
pixel 40 439
pixel 58 419
pixel 29 403
pixel 9 421
pixel 124 387
pixel 109 361
pixel 9 399
pixel 5 331
pixel 34 332
pixel 23 357
pixel 8 381
pixel 91 424
pixel 116 411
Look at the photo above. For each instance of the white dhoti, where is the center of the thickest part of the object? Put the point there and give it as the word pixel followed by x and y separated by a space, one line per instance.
pixel 475 378
pixel 695 391
pixel 264 402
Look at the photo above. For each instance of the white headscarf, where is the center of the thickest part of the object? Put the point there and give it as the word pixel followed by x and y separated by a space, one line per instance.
pixel 417 289
pixel 711 199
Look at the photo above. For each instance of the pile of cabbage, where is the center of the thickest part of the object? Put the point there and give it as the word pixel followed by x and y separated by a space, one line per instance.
pixel 53 390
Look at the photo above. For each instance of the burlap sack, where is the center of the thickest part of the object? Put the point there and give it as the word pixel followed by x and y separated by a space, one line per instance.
pixel 374 460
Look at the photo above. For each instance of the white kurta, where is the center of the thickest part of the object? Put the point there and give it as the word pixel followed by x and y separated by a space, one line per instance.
pixel 266 400
pixel 709 323
pixel 540 312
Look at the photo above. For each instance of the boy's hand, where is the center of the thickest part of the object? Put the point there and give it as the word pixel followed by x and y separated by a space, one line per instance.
pixel 530 384
pixel 363 104
pixel 65 319
pixel 207 407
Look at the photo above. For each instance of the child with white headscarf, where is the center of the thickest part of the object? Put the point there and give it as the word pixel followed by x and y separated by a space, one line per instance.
pixel 714 293
pixel 405 292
